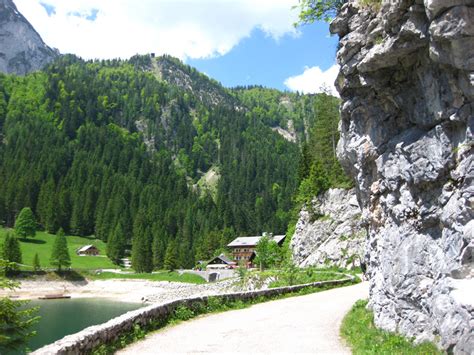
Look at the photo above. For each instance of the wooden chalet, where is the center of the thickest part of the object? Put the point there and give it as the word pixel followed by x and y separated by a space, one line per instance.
pixel 220 262
pixel 89 250
pixel 243 248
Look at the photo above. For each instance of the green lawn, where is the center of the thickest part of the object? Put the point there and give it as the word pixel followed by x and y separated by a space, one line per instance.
pixel 43 244
pixel 296 276
pixel 172 276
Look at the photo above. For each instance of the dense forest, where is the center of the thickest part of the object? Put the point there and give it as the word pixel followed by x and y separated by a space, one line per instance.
pixel 154 157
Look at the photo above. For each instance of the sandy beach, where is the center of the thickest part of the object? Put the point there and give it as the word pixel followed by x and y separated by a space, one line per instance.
pixel 125 290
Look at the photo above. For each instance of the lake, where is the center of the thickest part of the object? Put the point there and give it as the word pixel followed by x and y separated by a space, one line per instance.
pixel 68 316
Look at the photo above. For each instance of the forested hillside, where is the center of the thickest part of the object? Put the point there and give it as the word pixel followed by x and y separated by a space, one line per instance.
pixel 291 112
pixel 147 154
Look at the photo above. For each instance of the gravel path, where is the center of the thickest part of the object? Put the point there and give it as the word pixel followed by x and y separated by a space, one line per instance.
pixel 304 324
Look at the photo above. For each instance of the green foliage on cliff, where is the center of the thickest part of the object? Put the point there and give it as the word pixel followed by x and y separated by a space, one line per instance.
pixel 319 168
pixel 326 10
pixel 364 338
pixel 317 10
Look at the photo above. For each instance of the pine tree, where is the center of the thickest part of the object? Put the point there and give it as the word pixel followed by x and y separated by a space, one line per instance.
pixel 16 319
pixel 11 252
pixel 36 263
pixel 116 244
pixel 25 224
pixel 60 253
pixel 64 207
pixel 304 164
pixel 76 222
pixel 158 251
pixel 46 206
pixel 142 256
pixel 171 256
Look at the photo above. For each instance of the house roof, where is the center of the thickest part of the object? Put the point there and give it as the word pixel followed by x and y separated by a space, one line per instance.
pixel 244 241
pixel 252 241
pixel 223 258
pixel 279 238
pixel 86 247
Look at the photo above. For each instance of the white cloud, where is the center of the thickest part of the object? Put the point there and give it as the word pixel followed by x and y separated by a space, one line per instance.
pixel 314 80
pixel 183 28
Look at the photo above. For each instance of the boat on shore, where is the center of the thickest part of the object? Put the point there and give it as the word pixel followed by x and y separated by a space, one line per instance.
pixel 53 297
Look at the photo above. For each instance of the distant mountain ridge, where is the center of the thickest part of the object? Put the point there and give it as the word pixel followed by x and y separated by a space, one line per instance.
pixel 147 153
pixel 21 48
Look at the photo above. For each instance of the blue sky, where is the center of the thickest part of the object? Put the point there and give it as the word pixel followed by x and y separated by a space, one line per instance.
pixel 237 42
pixel 262 60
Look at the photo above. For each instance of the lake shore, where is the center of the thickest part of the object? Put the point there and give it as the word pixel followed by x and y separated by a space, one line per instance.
pixel 124 290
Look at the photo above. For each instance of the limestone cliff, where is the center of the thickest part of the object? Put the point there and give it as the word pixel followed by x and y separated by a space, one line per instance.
pixel 407 119
pixel 21 48
pixel 329 233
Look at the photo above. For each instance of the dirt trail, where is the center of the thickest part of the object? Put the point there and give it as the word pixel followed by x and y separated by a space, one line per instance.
pixel 304 324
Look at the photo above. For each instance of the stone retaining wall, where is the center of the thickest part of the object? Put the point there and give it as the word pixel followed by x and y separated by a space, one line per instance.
pixel 88 339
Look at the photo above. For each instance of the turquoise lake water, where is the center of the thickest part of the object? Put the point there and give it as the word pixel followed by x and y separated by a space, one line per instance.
pixel 67 316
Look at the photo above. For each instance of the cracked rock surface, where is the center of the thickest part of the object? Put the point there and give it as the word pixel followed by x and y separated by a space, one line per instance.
pixel 329 233
pixel 407 122
pixel 21 48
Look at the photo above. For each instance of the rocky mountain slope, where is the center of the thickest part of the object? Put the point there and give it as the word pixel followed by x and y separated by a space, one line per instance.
pixel 207 90
pixel 330 232
pixel 406 83
pixel 21 48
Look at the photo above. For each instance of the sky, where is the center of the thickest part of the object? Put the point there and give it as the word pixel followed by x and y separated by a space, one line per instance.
pixel 236 42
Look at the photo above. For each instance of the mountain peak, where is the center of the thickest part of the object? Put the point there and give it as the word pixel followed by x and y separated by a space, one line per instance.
pixel 187 78
pixel 21 48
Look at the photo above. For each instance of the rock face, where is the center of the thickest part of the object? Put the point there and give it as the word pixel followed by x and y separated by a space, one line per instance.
pixel 21 48
pixel 330 233
pixel 407 89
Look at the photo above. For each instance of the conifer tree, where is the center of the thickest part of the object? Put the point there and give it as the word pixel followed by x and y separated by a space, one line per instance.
pixel 36 263
pixel 142 256
pixel 46 206
pixel 60 253
pixel 11 252
pixel 171 256
pixel 16 319
pixel 25 224
pixel 158 251
pixel 76 223
pixel 116 244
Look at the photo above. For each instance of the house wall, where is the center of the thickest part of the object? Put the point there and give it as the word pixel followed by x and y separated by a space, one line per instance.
pixel 242 253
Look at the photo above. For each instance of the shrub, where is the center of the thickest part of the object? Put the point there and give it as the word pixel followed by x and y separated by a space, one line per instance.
pixel 183 313
pixel 364 338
